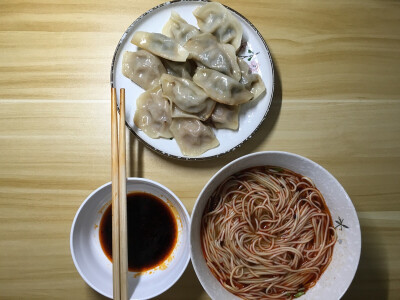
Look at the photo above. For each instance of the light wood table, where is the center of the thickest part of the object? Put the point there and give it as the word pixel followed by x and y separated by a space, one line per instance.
pixel 337 102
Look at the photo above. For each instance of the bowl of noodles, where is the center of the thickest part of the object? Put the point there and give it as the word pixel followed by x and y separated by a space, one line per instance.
pixel 274 225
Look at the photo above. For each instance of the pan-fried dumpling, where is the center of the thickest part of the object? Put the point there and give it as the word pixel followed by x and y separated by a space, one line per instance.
pixel 252 82
pixel 179 69
pixel 187 95
pixel 226 116
pixel 160 45
pixel 178 29
pixel 153 114
pixel 143 68
pixel 193 137
pixel 221 88
pixel 205 49
pixel 214 18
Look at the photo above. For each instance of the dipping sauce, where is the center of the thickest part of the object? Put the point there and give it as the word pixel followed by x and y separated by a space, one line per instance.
pixel 152 231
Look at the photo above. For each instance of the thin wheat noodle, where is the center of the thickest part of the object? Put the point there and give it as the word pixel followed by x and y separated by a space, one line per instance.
pixel 267 233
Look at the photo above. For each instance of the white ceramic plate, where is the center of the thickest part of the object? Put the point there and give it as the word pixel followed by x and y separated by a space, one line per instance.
pixel 340 272
pixel 96 269
pixel 254 50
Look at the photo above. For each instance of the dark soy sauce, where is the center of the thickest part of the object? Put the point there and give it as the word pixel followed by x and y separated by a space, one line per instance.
pixel 152 231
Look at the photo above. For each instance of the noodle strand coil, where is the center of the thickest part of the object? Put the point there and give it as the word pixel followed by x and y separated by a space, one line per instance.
pixel 267 233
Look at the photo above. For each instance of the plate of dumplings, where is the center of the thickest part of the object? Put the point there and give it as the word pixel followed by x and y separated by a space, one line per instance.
pixel 198 79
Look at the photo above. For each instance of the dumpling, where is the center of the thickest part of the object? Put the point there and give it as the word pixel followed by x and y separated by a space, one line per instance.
pixel 214 18
pixel 226 116
pixel 153 114
pixel 221 88
pixel 205 49
pixel 143 68
pixel 178 29
pixel 160 45
pixel 252 82
pixel 179 69
pixel 186 95
pixel 203 115
pixel 230 51
pixel 192 136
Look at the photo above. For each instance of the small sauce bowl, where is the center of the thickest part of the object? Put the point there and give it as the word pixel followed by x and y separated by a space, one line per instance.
pixel 94 266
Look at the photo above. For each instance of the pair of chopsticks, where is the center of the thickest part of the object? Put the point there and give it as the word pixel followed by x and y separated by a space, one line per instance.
pixel 119 220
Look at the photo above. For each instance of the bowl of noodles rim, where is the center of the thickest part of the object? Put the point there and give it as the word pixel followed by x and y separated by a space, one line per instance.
pixel 340 272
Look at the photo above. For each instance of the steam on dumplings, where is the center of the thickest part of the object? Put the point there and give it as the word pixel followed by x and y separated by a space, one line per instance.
pixel 193 79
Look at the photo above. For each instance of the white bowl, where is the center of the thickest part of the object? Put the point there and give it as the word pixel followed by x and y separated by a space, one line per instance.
pixel 337 277
pixel 96 269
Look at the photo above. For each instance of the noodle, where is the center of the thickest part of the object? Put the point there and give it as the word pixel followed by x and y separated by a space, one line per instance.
pixel 267 234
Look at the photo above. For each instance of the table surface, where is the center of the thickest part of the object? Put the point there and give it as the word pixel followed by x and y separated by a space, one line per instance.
pixel 336 101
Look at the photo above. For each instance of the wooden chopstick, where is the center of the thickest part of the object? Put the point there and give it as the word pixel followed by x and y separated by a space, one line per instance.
pixel 119 219
pixel 115 198
pixel 123 243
